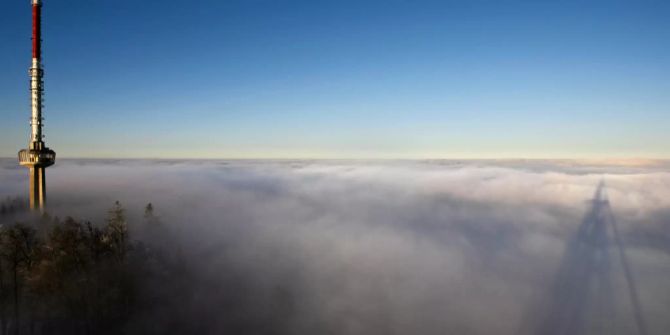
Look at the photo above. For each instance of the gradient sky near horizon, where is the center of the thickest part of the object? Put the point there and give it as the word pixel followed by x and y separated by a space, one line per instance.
pixel 342 79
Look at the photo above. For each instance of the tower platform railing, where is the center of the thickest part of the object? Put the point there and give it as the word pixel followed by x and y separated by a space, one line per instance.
pixel 30 157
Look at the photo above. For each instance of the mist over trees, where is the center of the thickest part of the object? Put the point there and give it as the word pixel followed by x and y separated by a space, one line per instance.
pixel 74 277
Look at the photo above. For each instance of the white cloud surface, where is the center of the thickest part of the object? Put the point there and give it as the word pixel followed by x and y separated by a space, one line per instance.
pixel 406 247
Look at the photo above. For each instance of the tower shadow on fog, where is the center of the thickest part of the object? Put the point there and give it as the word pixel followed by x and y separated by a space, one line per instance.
pixel 583 299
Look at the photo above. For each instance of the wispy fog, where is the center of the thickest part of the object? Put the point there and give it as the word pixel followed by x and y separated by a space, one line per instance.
pixel 407 247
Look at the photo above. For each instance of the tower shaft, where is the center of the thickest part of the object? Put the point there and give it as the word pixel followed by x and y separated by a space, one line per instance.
pixel 37 187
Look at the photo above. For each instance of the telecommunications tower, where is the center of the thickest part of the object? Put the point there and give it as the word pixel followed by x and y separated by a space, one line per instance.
pixel 37 157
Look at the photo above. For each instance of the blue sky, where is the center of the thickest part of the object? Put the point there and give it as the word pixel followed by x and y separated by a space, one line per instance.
pixel 342 79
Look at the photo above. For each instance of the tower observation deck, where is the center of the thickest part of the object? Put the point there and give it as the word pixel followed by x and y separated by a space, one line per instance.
pixel 38 156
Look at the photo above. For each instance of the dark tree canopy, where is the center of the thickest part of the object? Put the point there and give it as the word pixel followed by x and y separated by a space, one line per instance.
pixel 71 276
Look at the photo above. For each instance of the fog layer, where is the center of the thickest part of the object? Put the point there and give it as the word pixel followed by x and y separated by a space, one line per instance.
pixel 416 247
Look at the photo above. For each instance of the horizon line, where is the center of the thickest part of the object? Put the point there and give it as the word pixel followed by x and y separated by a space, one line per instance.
pixel 482 158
